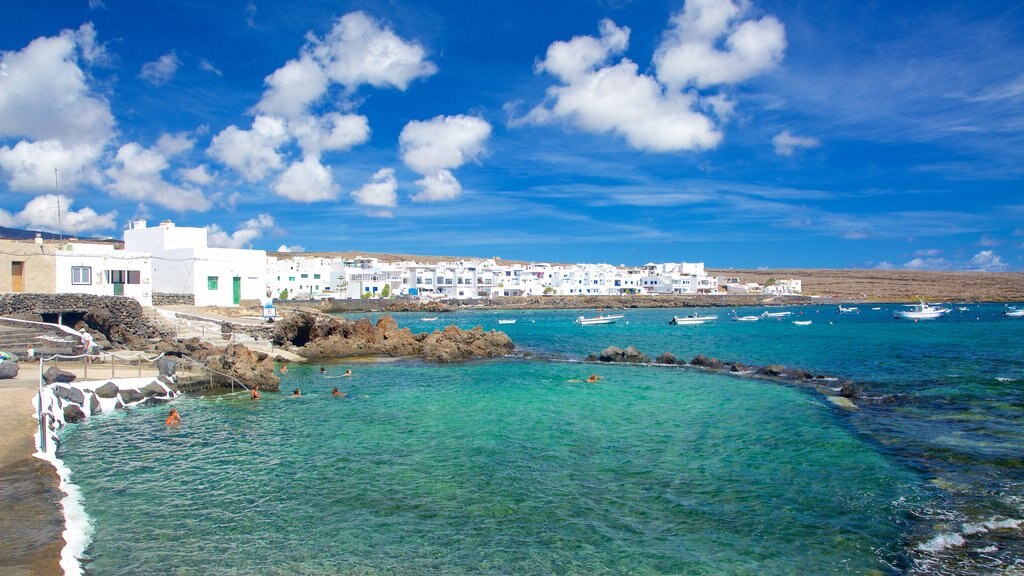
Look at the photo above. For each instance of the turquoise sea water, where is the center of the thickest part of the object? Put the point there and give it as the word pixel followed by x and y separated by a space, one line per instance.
pixel 514 466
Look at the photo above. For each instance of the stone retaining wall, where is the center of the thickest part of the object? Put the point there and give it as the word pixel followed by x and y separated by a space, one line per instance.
pixel 119 318
pixel 165 299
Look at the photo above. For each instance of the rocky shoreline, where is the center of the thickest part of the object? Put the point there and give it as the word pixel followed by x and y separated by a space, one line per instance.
pixel 840 392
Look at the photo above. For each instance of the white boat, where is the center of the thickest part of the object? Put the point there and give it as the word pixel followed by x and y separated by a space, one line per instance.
pixel 847 309
pixel 506 321
pixel 802 322
pixel 692 319
pixel 776 314
pixel 430 319
pixel 876 307
pixel 1013 312
pixel 747 318
pixel 609 319
pixel 921 311
pixel 962 308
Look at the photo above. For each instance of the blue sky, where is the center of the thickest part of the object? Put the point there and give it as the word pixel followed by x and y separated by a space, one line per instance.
pixel 741 134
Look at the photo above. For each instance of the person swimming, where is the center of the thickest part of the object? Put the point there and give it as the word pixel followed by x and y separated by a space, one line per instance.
pixel 347 373
pixel 284 368
pixel 336 392
pixel 254 392
pixel 173 417
pixel 323 370
pixel 296 393
pixel 593 378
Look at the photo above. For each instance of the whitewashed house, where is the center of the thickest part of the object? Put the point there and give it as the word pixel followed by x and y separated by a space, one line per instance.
pixel 184 264
pixel 304 277
pixel 103 270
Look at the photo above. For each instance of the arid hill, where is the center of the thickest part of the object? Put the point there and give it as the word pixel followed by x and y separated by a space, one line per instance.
pixel 896 285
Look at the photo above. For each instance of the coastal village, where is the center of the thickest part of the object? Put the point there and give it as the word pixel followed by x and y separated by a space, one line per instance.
pixel 169 264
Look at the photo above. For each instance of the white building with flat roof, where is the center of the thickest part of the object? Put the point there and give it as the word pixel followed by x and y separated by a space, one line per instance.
pixel 103 270
pixel 184 264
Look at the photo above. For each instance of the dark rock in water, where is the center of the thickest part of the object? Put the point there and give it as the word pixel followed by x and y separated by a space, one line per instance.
pixel 94 405
pixel 54 374
pixel 629 355
pixel 128 396
pixel 153 389
pixel 849 390
pixel 706 362
pixel 591 357
pixel 108 390
pixel 773 370
pixel 70 394
pixel 611 354
pixel 73 414
pixel 247 367
pixel 155 401
pixel 667 358
pixel 456 345
pixel 8 369
pixel 119 404
pixel 736 367
pixel 779 371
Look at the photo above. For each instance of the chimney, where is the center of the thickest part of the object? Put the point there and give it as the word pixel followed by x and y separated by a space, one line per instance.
pixel 136 224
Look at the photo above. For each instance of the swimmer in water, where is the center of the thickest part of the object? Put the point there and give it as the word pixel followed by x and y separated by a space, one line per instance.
pixel 296 393
pixel 337 392
pixel 347 373
pixel 284 368
pixel 173 417
pixel 323 370
pixel 254 393
pixel 593 378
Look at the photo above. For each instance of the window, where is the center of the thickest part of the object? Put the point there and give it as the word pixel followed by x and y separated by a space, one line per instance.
pixel 291 278
pixel 211 282
pixel 81 274
pixel 134 277
pixel 304 276
pixel 116 276
pixel 316 276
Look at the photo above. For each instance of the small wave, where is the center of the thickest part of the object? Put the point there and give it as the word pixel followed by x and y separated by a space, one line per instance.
pixel 987 550
pixel 942 542
pixel 1005 379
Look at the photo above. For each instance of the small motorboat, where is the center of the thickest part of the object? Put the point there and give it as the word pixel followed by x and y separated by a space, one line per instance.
pixel 876 307
pixel 692 319
pixel 747 318
pixel 609 319
pixel 428 319
pixel 847 309
pixel 1014 312
pixel 962 308
pixel 776 314
pixel 506 321
pixel 802 322
pixel 921 311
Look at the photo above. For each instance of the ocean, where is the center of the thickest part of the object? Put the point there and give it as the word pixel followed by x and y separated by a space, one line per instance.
pixel 519 466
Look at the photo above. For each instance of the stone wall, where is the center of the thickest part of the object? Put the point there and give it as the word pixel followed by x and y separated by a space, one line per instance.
pixel 165 299
pixel 119 319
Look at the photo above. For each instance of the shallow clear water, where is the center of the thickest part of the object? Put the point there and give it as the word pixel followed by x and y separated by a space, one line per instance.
pixel 511 467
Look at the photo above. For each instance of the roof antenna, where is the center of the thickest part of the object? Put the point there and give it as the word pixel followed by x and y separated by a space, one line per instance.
pixel 56 187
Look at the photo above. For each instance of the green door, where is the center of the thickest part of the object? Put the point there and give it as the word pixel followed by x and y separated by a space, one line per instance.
pixel 118 289
pixel 236 285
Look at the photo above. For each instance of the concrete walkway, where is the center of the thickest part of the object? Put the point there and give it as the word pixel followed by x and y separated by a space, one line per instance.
pixel 205 325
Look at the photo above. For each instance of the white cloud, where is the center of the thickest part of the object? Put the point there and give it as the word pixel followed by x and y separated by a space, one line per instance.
pixel 986 261
pixel 930 263
pixel 306 181
pixel 293 87
pixel 617 99
pixel 443 142
pixel 438 187
pixel 161 70
pixel 928 252
pixel 174 144
pixel 786 144
pixel 41 213
pixel 296 248
pixel 243 237
pixel 381 190
pixel 988 241
pixel 94 54
pixel 252 153
pixel 29 166
pixel 137 174
pixel 206 66
pixel 433 147
pixel 884 265
pixel 33 76
pixel 332 131
pixel 199 175
pixel 359 50
pixel 711 43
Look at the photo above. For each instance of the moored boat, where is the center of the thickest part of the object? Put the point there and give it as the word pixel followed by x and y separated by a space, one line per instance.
pixel 428 319
pixel 847 309
pixel 921 311
pixel 691 320
pixel 506 321
pixel 609 319
pixel 1014 312
pixel 747 318
pixel 802 322
pixel 767 314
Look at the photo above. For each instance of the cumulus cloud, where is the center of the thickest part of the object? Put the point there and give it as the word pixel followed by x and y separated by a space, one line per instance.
pixel 928 263
pixel 433 147
pixel 33 75
pixel 137 174
pixel 381 190
pixel 199 175
pixel 161 70
pixel 360 50
pixel 986 261
pixel 330 132
pixel 93 53
pixel 252 153
pixel 31 166
pixel 617 98
pixel 928 252
pixel 786 144
pixel 438 187
pixel 295 248
pixel 243 237
pixel 40 213
pixel 293 87
pixel 306 181
pixel 712 42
